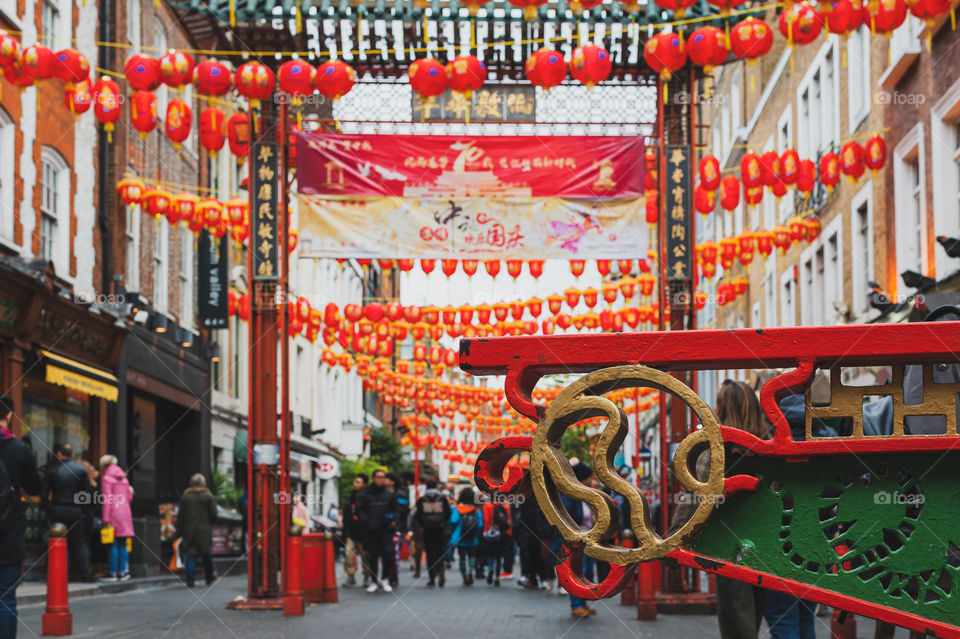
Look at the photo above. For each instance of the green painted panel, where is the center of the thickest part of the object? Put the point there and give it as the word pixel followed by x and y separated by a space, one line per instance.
pixel 896 516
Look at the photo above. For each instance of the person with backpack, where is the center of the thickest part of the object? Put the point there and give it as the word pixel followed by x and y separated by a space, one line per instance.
pixel 18 471
pixel 431 513
pixel 467 521
pixel 496 530
pixel 353 551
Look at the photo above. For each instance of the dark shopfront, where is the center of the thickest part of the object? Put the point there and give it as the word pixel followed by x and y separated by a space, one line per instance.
pixel 58 362
pixel 165 403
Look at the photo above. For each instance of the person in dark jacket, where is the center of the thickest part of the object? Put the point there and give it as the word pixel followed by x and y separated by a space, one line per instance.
pixel 431 514
pixel 377 511
pixel 195 517
pixel 66 494
pixel 21 471
pixel 583 517
pixel 353 535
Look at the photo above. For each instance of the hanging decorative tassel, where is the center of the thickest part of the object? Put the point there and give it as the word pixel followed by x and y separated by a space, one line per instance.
pixel 953 18
pixel 233 13
pixel 299 20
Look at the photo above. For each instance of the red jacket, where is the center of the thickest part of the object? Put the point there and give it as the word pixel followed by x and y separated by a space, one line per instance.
pixel 488 517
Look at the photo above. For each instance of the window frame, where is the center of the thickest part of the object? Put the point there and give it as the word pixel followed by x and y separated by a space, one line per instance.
pixel 820 112
pixel 910 150
pixel 132 232
pixel 8 176
pixel 945 167
pixel 59 217
pixel 858 76
pixel 861 259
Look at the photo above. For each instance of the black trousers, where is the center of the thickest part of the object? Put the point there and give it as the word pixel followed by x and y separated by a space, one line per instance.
pixel 78 537
pixel 507 551
pixel 434 541
pixel 379 546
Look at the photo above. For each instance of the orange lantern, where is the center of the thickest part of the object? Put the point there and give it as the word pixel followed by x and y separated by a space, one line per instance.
pixel 130 190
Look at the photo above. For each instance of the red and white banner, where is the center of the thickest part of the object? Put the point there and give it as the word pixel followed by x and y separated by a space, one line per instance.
pixel 435 166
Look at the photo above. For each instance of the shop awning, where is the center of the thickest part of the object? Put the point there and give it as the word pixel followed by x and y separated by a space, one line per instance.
pixel 74 375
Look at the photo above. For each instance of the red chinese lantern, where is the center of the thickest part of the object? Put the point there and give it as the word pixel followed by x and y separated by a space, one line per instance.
pixel 131 190
pixel 176 124
pixel 427 266
pixel 603 267
pixel 156 202
pixel 710 172
pixel 646 282
pixel 750 173
pixel 652 208
pixel 143 112
pixel 829 169
pixel 427 77
pixel 851 160
pixel 13 73
pixel 185 204
pixel 335 78
pixel 812 228
pixel 545 68
pixel 211 127
pixel 875 153
pixel 806 177
pixel 888 15
pixel 770 168
pixel 678 7
pixel 469 267
pixel 779 189
pixel 255 82
pixel 238 134
pixel 704 201
pixel 753 196
pixel 707 48
pixel 70 66
pixel 665 54
pixel 929 11
pixel 590 65
pixel 729 193
pixel 293 238
pixel 406 266
pixel 176 68
pixel 724 6
pixel 514 268
pixel 781 238
pixel 466 74
pixel 236 208
pixel 576 267
pixel 844 18
pixel 106 104
pixel 536 268
pixel 492 267
pixel 212 78
pixel 529 7
pixel 800 23
pixel 764 241
pixel 296 78
pixel 9 49
pixel 142 72
pixel 37 62
pixel 751 39
pixel 78 97
pixel 789 166
pixel 449 267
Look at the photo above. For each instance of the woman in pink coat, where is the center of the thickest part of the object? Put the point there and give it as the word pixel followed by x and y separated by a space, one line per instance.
pixel 117 495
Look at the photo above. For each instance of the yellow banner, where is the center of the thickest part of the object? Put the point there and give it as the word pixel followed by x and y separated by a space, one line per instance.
pixel 81 383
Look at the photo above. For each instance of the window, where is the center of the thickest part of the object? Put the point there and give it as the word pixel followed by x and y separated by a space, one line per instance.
pixel 909 208
pixel 770 294
pixel 945 138
pixel 7 173
pixel 861 266
pixel 822 278
pixel 161 239
pixel 132 277
pixel 160 42
pixel 787 301
pixel 186 277
pixel 54 209
pixel 133 27
pixel 858 75
pixel 818 105
pixel 756 316
pixel 52 24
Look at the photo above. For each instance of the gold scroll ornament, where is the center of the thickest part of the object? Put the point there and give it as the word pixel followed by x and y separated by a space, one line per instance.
pixel 552 474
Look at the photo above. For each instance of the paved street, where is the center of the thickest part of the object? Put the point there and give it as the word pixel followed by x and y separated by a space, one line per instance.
pixel 411 611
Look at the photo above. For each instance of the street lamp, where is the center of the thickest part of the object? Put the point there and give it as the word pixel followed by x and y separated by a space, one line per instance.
pixel 159 323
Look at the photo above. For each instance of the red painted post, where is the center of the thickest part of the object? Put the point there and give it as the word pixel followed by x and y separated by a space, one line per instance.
pixel 57 619
pixel 647 591
pixel 628 596
pixel 293 600
pixel 329 583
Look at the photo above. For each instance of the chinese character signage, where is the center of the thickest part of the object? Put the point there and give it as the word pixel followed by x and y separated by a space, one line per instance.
pixel 676 214
pixel 264 211
pixel 497 103
pixel 212 275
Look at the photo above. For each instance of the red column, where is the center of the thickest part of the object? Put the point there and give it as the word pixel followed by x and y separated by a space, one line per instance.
pixel 57 618
pixel 329 570
pixel 293 601
pixel 647 591
pixel 628 596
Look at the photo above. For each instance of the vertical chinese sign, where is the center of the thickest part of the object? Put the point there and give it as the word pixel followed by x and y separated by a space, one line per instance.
pixel 212 285
pixel 264 233
pixel 676 215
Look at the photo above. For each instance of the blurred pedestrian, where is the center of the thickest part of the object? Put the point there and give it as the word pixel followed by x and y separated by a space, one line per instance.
pixel 467 523
pixel 19 474
pixel 402 500
pixel 377 510
pixel 68 500
pixel 353 552
pixel 299 514
pixel 496 530
pixel 195 517
pixel 116 497
pixel 432 513
pixel 584 517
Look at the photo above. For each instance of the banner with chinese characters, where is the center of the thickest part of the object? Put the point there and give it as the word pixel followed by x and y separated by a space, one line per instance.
pixel 481 228
pixel 263 210
pixel 676 214
pixel 212 280
pixel 492 103
pixel 441 167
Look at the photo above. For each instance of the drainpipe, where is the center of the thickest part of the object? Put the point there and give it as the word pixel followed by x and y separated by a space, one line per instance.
pixel 103 161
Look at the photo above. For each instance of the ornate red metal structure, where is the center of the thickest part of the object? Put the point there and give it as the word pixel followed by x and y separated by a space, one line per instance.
pixel 861 586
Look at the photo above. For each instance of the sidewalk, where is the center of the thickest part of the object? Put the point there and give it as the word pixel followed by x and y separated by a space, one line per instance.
pixel 34 592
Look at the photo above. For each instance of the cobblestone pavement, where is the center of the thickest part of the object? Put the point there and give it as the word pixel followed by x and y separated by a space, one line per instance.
pixel 412 610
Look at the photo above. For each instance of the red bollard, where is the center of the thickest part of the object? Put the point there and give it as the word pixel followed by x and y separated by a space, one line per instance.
pixel 57 618
pixel 329 570
pixel 628 596
pixel 647 591
pixel 293 600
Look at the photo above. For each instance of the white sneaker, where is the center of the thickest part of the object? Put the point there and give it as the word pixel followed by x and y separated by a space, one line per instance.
pixel 387 587
pixel 373 587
